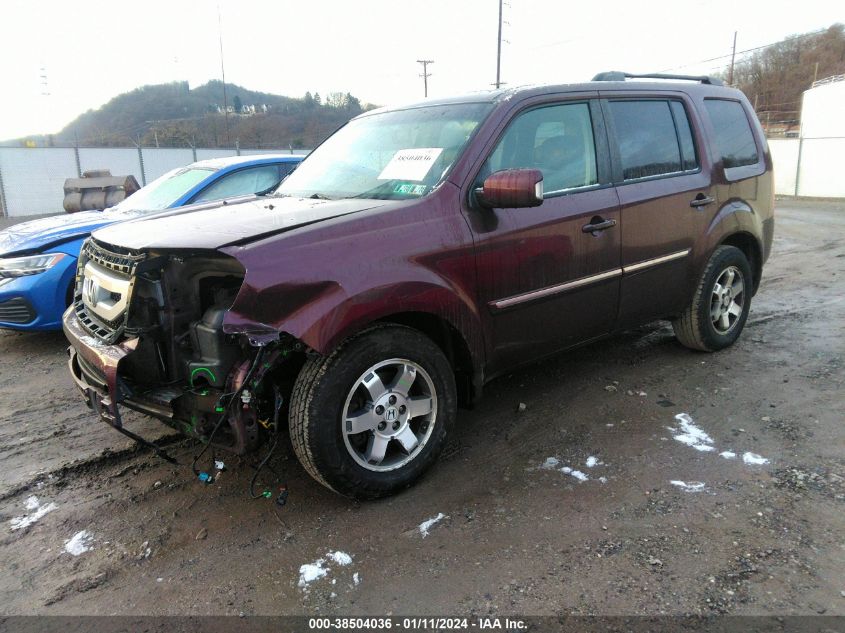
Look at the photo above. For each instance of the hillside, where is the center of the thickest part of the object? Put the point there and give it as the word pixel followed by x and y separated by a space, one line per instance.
pixel 173 115
pixel 775 77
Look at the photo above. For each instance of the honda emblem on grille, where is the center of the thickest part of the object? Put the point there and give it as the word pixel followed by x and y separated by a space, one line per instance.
pixel 91 290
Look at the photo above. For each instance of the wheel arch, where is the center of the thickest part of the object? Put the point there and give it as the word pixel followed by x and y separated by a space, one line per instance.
pixel 453 345
pixel 752 250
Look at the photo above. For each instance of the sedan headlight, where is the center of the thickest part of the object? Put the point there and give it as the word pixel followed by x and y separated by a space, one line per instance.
pixel 29 265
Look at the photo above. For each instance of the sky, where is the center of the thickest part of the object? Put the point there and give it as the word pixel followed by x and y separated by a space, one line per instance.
pixel 93 50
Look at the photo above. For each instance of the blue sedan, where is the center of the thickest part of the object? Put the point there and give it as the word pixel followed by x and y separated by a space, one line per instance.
pixel 38 258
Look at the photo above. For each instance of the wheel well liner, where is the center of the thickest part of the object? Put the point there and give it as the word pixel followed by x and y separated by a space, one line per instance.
pixel 749 245
pixel 450 341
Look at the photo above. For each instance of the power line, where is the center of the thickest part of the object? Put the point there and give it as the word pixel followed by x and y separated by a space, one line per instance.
pixel 223 73
pixel 425 74
pixel 747 50
pixel 733 58
pixel 499 50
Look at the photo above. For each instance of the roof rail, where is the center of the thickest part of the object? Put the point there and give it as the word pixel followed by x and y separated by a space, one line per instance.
pixel 615 75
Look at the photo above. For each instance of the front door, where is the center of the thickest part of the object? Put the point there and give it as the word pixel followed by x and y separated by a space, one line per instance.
pixel 548 276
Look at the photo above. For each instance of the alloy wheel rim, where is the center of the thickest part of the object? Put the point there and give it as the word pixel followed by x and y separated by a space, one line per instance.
pixel 727 300
pixel 389 415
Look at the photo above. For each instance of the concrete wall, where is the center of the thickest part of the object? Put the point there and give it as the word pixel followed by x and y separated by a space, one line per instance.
pixel 785 158
pixel 811 166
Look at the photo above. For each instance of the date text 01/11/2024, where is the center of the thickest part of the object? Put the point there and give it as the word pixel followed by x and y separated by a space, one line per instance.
pixel 417 623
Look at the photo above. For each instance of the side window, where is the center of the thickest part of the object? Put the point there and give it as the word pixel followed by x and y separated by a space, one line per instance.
pixel 734 138
pixel 645 131
pixel 558 140
pixel 285 169
pixel 688 156
pixel 240 183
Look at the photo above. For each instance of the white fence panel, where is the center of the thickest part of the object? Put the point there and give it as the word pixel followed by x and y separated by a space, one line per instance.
pixel 120 161
pixel 820 174
pixel 785 159
pixel 205 154
pixel 33 179
pixel 253 152
pixel 159 161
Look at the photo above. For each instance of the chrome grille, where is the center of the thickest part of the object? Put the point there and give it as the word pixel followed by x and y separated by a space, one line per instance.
pixel 122 263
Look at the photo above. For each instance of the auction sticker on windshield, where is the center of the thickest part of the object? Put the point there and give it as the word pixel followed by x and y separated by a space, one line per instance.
pixel 410 164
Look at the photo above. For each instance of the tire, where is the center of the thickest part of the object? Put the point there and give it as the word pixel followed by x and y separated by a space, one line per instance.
pixel 714 320
pixel 341 411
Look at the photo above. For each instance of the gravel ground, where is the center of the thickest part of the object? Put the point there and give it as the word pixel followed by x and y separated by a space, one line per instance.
pixel 90 524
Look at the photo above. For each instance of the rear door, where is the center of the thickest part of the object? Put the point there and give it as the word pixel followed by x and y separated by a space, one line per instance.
pixel 544 281
pixel 666 198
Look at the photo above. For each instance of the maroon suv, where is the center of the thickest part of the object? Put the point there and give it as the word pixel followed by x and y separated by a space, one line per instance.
pixel 420 252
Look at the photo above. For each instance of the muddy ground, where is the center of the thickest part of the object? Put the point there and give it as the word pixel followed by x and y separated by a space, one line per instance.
pixel 515 537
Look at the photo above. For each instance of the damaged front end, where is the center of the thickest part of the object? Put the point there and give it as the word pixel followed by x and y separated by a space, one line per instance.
pixel 146 332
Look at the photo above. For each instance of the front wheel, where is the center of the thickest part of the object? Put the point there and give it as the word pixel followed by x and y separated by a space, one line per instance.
pixel 718 311
pixel 370 418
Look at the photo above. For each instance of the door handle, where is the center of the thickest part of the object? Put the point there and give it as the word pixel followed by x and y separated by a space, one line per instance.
pixel 701 201
pixel 595 227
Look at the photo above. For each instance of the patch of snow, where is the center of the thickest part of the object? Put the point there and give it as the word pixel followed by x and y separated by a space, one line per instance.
pixel 754 458
pixel 310 572
pixel 693 486
pixel 691 435
pixel 32 503
pixel 603 480
pixel 579 475
pixel 341 558
pixel 79 543
pixel 727 454
pixel 566 470
pixel 550 463
pixel 356 579
pixel 425 526
pixel 592 461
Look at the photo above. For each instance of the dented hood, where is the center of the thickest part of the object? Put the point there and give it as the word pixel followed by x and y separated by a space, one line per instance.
pixel 223 224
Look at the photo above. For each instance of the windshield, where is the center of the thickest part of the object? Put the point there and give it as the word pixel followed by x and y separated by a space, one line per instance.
pixel 164 191
pixel 390 156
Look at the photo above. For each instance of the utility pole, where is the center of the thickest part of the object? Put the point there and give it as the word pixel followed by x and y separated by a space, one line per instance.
pixel 733 57
pixel 425 74
pixel 499 51
pixel 223 73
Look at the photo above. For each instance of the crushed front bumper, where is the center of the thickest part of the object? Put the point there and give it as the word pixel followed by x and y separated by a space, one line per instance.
pixel 94 368
pixel 92 361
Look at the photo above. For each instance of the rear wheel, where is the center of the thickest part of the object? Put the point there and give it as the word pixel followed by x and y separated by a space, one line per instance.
pixel 369 419
pixel 718 311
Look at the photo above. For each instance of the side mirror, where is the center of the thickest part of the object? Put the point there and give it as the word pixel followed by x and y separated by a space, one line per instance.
pixel 512 188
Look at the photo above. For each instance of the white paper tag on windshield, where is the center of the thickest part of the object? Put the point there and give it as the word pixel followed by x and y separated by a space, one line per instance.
pixel 410 164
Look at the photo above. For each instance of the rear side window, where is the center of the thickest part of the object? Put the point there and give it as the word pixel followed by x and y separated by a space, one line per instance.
pixel 241 183
pixel 734 138
pixel 688 157
pixel 648 143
